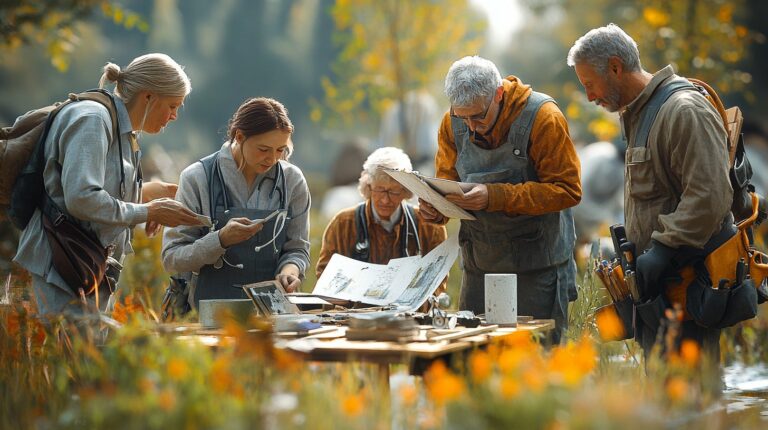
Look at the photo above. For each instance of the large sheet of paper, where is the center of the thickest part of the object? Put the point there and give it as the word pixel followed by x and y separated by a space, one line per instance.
pixel 405 282
pixel 431 190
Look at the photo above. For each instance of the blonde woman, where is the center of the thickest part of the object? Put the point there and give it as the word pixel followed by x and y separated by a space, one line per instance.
pixel 93 176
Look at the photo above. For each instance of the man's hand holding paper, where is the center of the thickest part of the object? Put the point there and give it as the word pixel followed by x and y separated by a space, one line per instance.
pixel 476 199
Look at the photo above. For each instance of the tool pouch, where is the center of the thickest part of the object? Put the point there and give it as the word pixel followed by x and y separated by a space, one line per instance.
pixel 651 313
pixel 758 271
pixel 742 304
pixel 624 312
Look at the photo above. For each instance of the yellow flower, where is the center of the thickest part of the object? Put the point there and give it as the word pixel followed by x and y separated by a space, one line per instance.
pixel 511 359
pixel 352 405
pixel 177 369
pixel 604 128
pixel 609 325
pixel 690 352
pixel 480 366
pixel 442 385
pixel 655 17
pixel 520 340
pixel 510 387
pixel 221 378
pixel 166 400
pixel 534 380
pixel 408 394
pixel 677 388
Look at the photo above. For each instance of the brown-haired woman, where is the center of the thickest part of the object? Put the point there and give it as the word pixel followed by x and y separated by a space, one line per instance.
pixel 247 181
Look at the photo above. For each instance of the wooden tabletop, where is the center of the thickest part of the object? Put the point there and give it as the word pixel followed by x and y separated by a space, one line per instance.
pixel 333 346
pixel 328 343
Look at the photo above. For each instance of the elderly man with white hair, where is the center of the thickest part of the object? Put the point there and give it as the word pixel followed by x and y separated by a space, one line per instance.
pixel 384 226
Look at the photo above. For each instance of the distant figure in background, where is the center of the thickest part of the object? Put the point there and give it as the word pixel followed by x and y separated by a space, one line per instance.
pixel 384 226
pixel 345 171
pixel 602 200
pixel 244 182
pixel 413 129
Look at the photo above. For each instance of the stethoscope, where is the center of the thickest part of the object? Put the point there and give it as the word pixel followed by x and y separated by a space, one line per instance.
pixel 281 217
pixel 410 222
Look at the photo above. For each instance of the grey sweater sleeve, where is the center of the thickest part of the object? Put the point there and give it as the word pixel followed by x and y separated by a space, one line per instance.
pixel 296 247
pixel 85 142
pixel 185 248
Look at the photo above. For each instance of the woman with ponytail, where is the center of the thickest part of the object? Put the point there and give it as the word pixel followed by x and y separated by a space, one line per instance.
pixel 93 176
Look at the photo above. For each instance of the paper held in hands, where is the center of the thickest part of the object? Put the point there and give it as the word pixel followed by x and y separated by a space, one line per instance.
pixel 204 220
pixel 432 190
pixel 404 283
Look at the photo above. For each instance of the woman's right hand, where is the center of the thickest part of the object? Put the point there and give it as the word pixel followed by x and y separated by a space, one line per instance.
pixel 170 213
pixel 238 230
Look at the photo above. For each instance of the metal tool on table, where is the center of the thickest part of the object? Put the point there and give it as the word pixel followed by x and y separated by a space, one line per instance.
pixel 440 318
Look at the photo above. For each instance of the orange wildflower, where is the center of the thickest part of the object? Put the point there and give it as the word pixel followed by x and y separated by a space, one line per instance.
pixel 690 352
pixel 408 394
pixel 166 400
pixel 534 380
pixel 520 340
pixel 442 385
pixel 677 388
pixel 511 359
pixel 124 310
pixel 480 366
pixel 177 369
pixel 285 360
pixel 352 405
pixel 221 378
pixel 609 326
pixel 510 387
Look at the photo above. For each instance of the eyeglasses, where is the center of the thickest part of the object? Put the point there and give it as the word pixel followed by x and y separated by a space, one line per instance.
pixel 393 194
pixel 476 117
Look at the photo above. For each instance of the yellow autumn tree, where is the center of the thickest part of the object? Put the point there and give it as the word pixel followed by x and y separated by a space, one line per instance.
pixel 389 48
pixel 53 25
pixel 704 39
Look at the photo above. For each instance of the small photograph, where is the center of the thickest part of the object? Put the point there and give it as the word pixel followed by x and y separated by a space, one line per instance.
pixel 269 298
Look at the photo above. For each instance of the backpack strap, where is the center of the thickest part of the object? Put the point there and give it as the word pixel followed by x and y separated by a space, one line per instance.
pixel 362 251
pixel 103 97
pixel 652 107
pixel 216 189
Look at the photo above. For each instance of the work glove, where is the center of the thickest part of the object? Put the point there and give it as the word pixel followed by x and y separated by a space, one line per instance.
pixel 651 267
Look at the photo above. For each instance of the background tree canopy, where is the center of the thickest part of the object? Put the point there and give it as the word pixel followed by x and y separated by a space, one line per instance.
pixel 339 65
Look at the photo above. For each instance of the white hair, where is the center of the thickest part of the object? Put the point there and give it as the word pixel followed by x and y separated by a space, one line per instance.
pixel 600 44
pixel 157 73
pixel 471 79
pixel 389 157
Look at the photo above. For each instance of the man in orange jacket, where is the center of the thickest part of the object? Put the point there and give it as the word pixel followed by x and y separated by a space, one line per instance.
pixel 512 144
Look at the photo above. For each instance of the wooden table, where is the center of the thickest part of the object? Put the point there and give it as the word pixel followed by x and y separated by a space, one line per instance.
pixel 331 345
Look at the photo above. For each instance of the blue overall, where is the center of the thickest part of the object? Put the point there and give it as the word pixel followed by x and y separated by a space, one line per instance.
pixel 539 249
pixel 242 263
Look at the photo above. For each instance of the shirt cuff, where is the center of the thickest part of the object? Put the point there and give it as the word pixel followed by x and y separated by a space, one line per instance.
pixel 496 198
pixel 137 213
